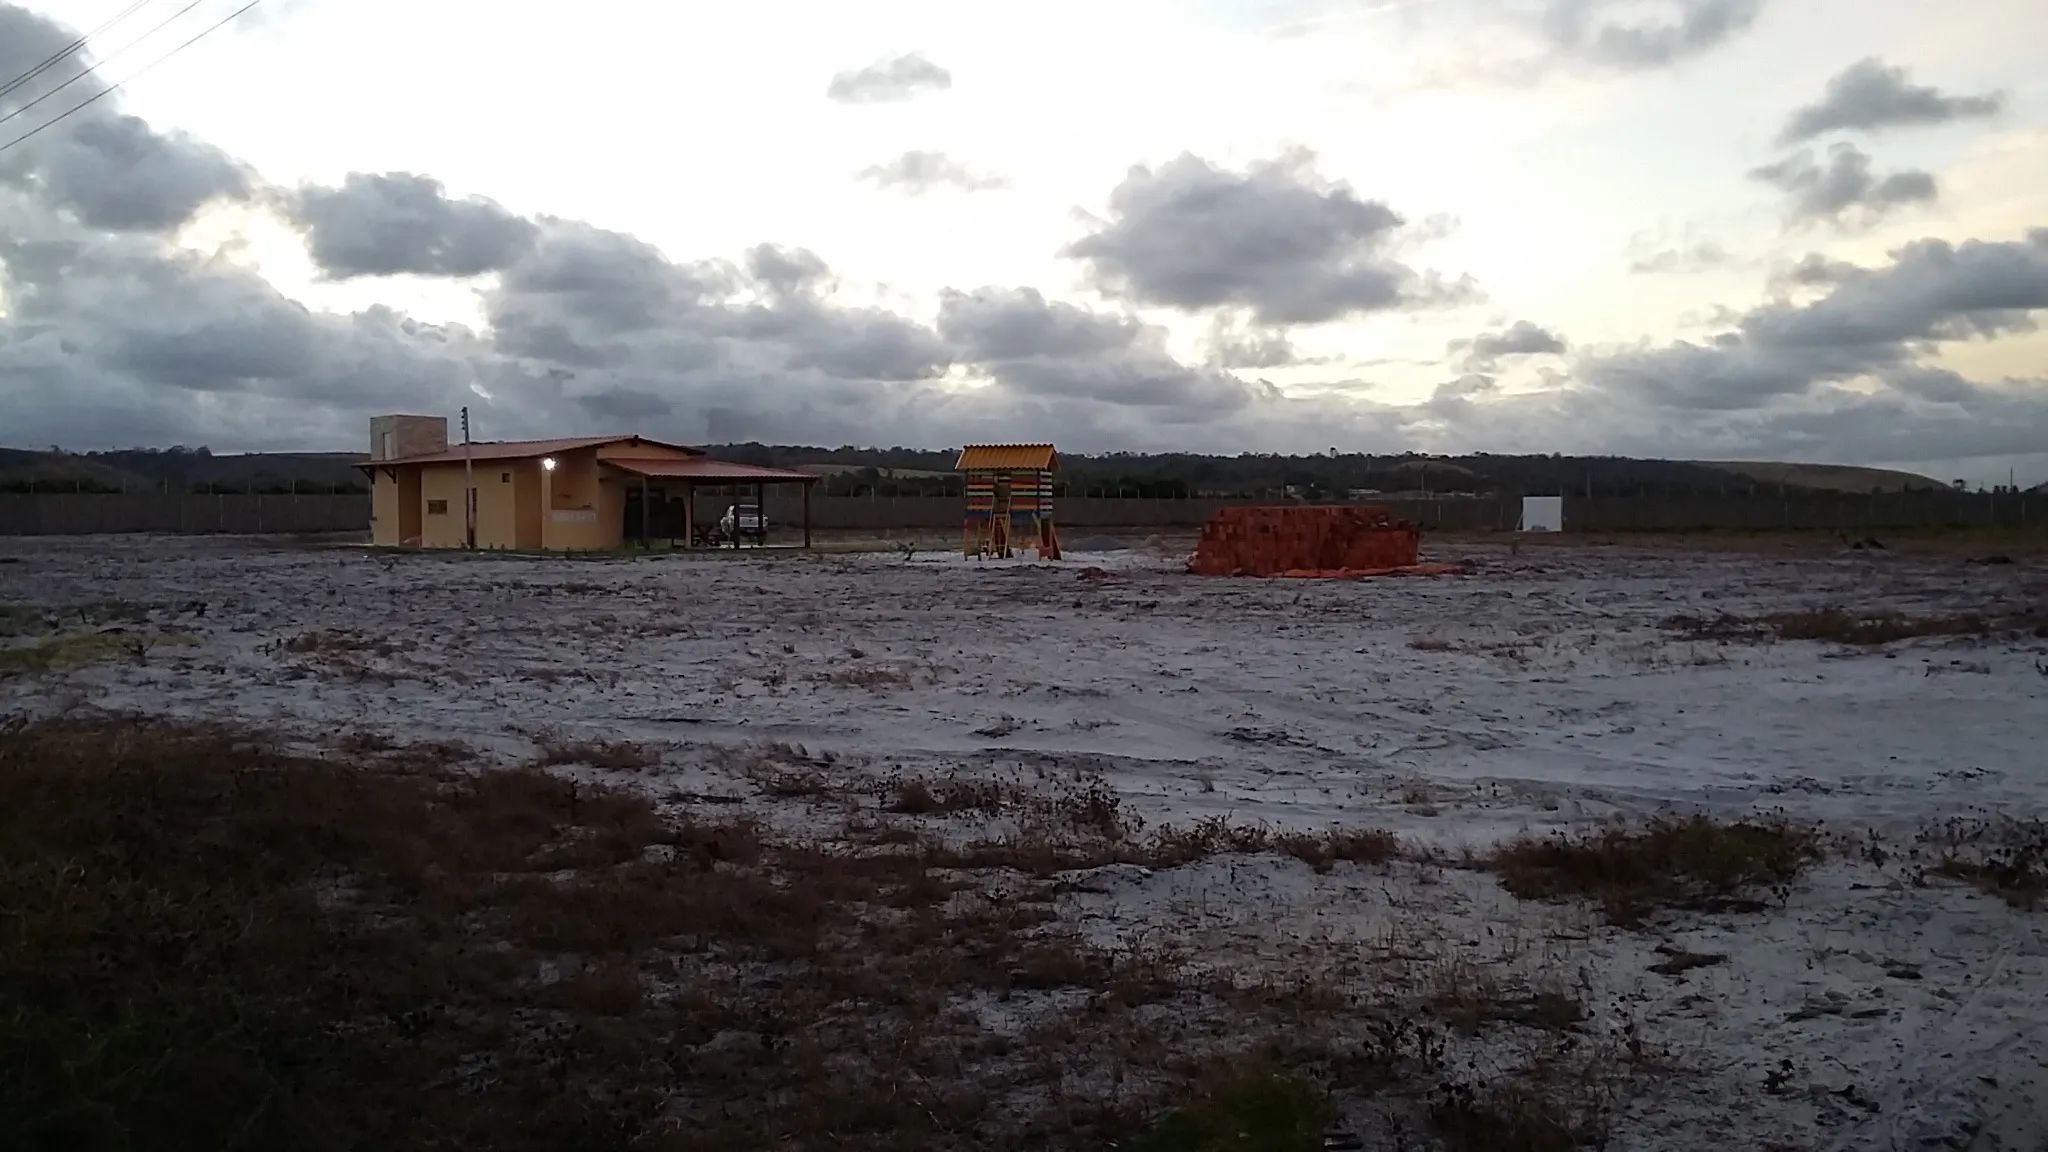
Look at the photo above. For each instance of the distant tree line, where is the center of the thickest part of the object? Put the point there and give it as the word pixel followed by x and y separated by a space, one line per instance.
pixel 1330 475
pixel 101 487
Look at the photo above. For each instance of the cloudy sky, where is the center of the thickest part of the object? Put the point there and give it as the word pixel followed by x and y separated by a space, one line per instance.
pixel 1812 229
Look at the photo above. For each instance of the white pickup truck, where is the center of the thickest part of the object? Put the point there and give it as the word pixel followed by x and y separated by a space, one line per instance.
pixel 744 521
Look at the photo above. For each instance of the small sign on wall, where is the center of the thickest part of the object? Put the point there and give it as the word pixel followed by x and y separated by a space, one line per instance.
pixel 575 516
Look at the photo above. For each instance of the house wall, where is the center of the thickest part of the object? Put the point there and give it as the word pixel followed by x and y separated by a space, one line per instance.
pixel 408 506
pixel 526 509
pixel 585 510
pixel 497 513
pixel 445 529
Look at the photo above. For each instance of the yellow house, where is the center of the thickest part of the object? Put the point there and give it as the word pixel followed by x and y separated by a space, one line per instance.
pixel 587 493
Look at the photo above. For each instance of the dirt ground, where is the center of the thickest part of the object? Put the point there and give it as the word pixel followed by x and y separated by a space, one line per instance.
pixel 1872 1002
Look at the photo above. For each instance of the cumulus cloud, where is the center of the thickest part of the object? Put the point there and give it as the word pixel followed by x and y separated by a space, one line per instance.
pixel 1230 344
pixel 917 172
pixel 1871 323
pixel 194 342
pixel 886 81
pixel 1871 95
pixel 1040 348
pixel 788 271
pixel 1276 239
pixel 1485 351
pixel 613 307
pixel 1623 34
pixel 1814 269
pixel 1845 191
pixel 397 222
pixel 104 168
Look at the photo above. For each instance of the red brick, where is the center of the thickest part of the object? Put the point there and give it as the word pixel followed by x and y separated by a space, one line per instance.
pixel 1319 539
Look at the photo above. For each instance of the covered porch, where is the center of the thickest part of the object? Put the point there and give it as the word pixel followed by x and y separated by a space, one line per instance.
pixel 661 499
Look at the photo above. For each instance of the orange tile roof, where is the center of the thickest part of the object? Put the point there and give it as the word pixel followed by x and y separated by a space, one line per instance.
pixel 705 468
pixel 1004 457
pixel 519 449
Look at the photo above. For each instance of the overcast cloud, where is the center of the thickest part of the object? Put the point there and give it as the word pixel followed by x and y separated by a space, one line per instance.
pixel 379 225
pixel 1148 281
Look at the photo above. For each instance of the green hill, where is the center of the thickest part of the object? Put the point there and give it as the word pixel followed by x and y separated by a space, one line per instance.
pixel 1828 477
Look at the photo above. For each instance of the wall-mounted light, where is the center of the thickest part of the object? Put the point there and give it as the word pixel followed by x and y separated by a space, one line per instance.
pixel 548 462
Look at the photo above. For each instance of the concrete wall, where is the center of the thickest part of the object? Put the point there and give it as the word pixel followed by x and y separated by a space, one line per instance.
pixel 408 435
pixel 64 514
pixel 58 514
pixel 1838 511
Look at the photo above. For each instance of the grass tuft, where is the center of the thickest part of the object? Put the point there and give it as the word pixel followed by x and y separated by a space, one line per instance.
pixel 2005 858
pixel 1258 1110
pixel 615 755
pixel 1694 862
pixel 1842 626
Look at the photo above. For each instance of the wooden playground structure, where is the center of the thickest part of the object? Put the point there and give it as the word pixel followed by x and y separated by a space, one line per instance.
pixel 1009 500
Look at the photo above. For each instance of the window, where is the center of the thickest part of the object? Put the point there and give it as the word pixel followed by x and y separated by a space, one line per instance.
pixel 504 477
pixel 437 507
pixel 390 445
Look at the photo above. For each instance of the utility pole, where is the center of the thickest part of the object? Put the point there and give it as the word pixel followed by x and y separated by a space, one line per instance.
pixel 468 486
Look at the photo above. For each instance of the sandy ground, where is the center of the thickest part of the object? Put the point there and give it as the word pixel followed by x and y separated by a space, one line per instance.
pixel 1874 1007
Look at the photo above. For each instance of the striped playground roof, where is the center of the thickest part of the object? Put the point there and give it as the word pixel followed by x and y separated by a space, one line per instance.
pixel 1003 457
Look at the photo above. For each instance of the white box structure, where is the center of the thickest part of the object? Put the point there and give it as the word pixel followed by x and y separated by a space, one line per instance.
pixel 1542 513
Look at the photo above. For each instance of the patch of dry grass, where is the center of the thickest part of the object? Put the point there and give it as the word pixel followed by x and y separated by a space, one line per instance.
pixel 613 755
pixel 873 677
pixel 1256 1109
pixel 1323 850
pixel 62 653
pixel 1514 1116
pixel 331 641
pixel 20 620
pixel 1046 845
pixel 215 943
pixel 916 796
pixel 1694 862
pixel 2005 858
pixel 1469 995
pixel 1863 629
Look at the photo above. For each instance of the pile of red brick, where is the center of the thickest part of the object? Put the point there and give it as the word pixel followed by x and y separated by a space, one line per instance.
pixel 1305 541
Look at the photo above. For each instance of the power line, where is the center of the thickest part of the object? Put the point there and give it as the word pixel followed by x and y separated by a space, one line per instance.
pixel 74 46
pixel 117 85
pixel 109 59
